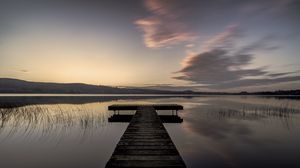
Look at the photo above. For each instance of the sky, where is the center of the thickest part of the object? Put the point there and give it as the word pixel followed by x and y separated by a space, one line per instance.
pixel 213 45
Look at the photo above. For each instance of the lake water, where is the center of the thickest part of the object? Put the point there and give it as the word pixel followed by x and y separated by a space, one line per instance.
pixel 217 131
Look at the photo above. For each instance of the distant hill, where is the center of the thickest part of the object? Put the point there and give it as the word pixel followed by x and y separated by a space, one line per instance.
pixel 277 92
pixel 8 85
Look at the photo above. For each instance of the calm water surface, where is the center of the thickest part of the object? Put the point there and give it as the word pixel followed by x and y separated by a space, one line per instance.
pixel 217 131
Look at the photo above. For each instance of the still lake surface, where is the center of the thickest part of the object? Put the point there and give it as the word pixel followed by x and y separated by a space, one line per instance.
pixel 217 131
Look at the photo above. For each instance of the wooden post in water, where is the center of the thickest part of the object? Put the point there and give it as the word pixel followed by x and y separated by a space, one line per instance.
pixel 146 142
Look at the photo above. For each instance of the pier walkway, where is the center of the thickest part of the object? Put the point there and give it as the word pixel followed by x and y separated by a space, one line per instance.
pixel 145 143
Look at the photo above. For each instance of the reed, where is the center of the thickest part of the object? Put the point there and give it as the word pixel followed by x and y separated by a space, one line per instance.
pixel 50 121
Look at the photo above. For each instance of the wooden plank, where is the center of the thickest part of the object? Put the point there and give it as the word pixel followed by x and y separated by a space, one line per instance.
pixel 116 107
pixel 145 143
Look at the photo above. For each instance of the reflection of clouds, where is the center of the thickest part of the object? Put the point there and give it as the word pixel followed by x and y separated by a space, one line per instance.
pixel 226 128
pixel 216 134
pixel 264 110
pixel 213 128
pixel 259 100
pixel 209 142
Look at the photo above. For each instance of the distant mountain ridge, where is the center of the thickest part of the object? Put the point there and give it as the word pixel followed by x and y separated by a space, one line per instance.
pixel 9 85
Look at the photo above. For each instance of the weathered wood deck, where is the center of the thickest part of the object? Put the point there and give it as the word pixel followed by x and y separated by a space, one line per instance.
pixel 117 107
pixel 145 143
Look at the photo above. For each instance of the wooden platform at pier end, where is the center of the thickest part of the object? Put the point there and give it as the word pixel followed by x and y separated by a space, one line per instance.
pixel 117 107
pixel 146 142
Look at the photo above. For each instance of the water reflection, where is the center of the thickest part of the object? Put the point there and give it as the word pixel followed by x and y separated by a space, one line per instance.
pixel 50 122
pixel 217 131
pixel 18 101
pixel 238 132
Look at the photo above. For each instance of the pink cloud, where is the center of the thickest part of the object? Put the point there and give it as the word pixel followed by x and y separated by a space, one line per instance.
pixel 162 28
pixel 158 7
pixel 158 33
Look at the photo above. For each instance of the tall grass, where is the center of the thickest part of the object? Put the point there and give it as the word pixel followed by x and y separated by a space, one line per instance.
pixel 50 122
pixel 284 113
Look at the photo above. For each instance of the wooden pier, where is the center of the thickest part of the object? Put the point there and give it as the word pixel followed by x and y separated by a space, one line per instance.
pixel 146 142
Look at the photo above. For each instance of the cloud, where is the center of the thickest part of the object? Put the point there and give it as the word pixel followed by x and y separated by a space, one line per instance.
pixel 216 66
pixel 158 33
pixel 163 27
pixel 222 64
pixel 273 6
pixel 159 7
pixel 23 70
pixel 171 87
pixel 254 82
pixel 281 74
pixel 265 43
pixel 224 39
